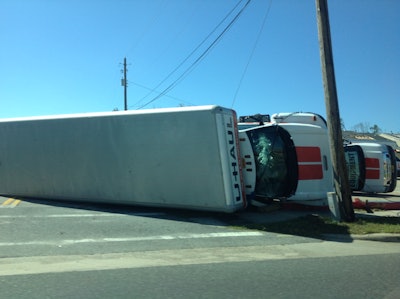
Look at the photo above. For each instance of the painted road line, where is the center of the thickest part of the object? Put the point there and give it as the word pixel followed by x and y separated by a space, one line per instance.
pixel 10 203
pixel 67 242
pixel 150 214
pixel 15 203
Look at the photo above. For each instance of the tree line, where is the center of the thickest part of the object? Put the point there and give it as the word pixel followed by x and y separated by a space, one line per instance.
pixel 363 127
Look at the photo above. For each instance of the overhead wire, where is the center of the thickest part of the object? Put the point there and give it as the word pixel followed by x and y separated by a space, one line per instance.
pixel 153 90
pixel 252 53
pixel 191 53
pixel 205 52
pixel 148 26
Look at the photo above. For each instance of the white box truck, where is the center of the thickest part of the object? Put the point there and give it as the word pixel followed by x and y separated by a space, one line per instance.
pixel 371 167
pixel 187 157
pixel 175 157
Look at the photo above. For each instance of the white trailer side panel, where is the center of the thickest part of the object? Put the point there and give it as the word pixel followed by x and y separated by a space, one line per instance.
pixel 159 157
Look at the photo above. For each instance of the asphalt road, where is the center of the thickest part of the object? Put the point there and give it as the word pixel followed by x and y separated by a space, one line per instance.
pixel 40 228
pixel 363 276
pixel 61 250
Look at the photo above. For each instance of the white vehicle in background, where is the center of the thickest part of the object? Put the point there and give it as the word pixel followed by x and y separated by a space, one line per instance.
pixel 371 167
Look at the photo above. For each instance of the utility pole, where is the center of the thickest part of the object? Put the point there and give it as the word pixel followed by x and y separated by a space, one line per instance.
pixel 341 182
pixel 124 83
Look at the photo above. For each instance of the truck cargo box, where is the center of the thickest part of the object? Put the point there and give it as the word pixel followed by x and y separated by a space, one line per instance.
pixel 183 157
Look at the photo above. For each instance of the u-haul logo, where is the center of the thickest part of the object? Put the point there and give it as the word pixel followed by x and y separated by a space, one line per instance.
pixel 234 158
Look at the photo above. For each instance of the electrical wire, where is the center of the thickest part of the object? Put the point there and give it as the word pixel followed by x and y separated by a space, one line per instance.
pixel 252 53
pixel 153 90
pixel 191 53
pixel 205 52
pixel 149 25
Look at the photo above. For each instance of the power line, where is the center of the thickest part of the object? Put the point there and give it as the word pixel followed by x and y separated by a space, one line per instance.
pixel 252 52
pixel 153 90
pixel 191 67
pixel 191 53
pixel 148 25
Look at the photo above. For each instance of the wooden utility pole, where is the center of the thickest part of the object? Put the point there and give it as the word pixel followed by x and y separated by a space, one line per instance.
pixel 341 181
pixel 125 84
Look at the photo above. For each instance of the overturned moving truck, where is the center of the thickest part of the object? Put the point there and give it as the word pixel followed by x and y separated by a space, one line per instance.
pixel 371 167
pixel 187 157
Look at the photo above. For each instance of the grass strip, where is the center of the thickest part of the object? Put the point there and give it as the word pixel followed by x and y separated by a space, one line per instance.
pixel 315 226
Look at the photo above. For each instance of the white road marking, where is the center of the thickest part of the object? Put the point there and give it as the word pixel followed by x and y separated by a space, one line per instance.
pixel 135 239
pixel 82 215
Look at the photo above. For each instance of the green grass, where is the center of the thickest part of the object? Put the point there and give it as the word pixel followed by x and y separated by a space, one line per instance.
pixel 316 226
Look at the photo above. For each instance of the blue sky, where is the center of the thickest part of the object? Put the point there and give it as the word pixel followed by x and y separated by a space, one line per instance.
pixel 65 56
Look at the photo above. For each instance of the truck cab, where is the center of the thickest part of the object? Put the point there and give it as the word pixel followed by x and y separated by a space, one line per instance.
pixel 291 159
pixel 299 117
pixel 371 167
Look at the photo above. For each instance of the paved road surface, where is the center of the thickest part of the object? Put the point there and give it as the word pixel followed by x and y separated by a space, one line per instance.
pixel 56 250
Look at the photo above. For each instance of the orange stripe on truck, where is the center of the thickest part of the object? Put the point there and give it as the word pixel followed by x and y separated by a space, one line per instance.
pixel 372 174
pixel 371 163
pixel 309 162
pixel 308 154
pixel 310 172
pixel 372 169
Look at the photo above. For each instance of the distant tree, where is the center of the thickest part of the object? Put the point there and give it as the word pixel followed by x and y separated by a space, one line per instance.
pixel 375 129
pixel 361 127
pixel 357 127
pixel 366 128
pixel 342 126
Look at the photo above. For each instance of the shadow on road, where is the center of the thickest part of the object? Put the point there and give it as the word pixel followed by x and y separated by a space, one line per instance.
pixel 318 225
pixel 201 217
